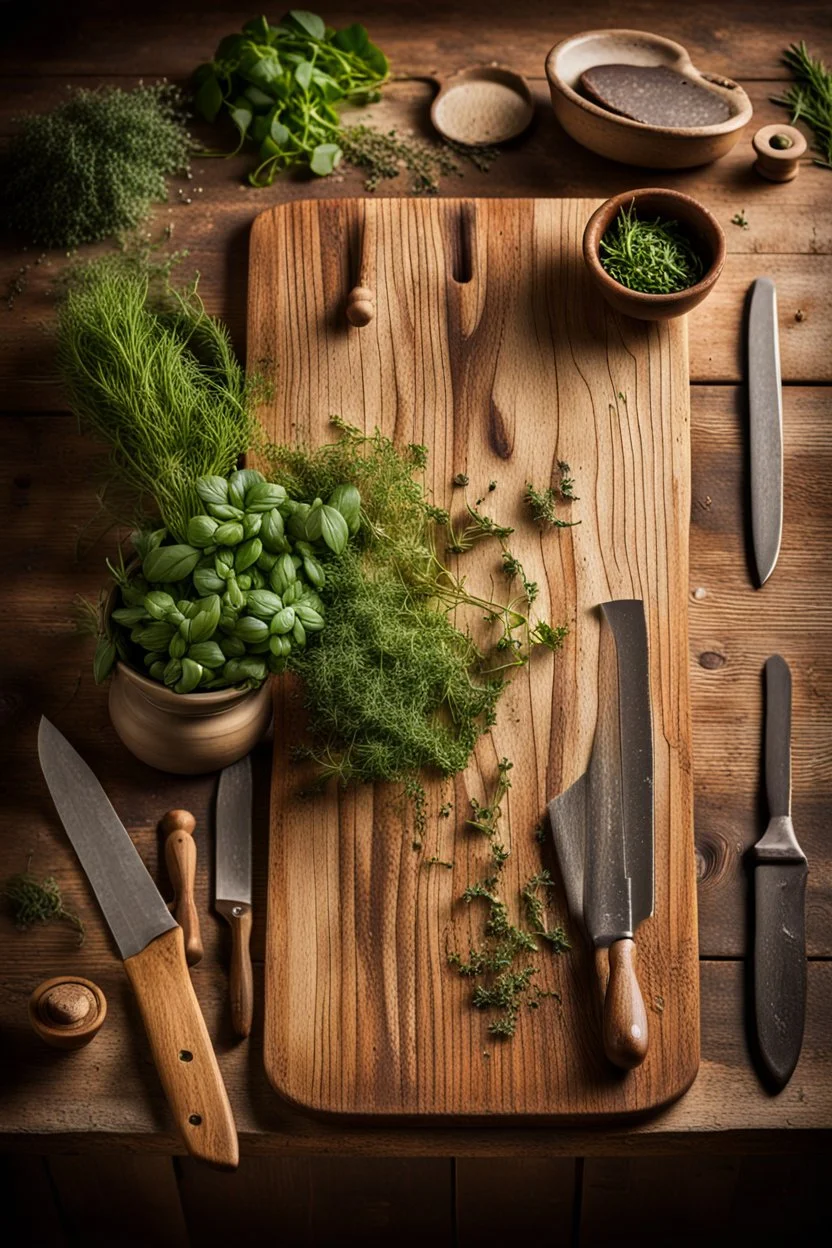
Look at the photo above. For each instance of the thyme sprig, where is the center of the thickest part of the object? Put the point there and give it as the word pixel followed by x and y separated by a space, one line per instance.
pixel 38 901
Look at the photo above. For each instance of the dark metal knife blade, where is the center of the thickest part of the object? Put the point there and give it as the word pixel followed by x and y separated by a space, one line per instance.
pixel 780 874
pixel 153 949
pixel 603 826
pixel 233 889
pixel 765 413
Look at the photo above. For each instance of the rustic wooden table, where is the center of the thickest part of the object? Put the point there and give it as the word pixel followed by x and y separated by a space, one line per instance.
pixel 423 1181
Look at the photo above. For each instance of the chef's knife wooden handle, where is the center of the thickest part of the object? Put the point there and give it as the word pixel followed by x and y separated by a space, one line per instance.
pixel 180 857
pixel 625 1018
pixel 182 1050
pixel 241 983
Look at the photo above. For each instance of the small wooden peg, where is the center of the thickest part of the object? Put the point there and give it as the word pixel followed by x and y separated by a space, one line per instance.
pixel 361 306
pixel 778 149
pixel 180 856
pixel 67 1012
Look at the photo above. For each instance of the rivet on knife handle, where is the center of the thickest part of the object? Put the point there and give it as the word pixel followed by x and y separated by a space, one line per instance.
pixel 180 858
pixel 182 1049
pixel 240 979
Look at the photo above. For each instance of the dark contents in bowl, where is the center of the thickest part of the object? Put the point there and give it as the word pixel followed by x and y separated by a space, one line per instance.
pixel 655 95
pixel 656 257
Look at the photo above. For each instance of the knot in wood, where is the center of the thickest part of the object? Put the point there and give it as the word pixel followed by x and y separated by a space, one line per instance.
pixel 711 660
pixel 712 857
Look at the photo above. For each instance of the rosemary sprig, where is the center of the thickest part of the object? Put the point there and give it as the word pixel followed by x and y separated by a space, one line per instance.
pixel 809 99
pixel 656 257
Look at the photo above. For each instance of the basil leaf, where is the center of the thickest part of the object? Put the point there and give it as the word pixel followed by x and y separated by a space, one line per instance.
pixel 207 654
pixel 258 98
pixel 190 678
pixel 263 496
pixel 334 529
pixel 213 490
pixel 303 74
pixel 208 99
pixel 239 482
pixel 241 116
pixel 308 22
pixel 104 659
pixel 325 158
pixel 171 563
pixel 263 71
pixel 352 39
pixel 247 554
pixel 279 133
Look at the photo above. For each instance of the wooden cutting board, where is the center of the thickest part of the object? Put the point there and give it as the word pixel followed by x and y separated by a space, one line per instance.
pixel 489 346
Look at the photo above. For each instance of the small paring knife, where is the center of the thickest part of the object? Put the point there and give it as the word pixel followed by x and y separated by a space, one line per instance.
pixel 152 947
pixel 765 415
pixel 233 888
pixel 780 874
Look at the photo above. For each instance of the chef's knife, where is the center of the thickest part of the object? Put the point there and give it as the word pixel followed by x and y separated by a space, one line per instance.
pixel 233 895
pixel 765 413
pixel 151 944
pixel 603 827
pixel 780 873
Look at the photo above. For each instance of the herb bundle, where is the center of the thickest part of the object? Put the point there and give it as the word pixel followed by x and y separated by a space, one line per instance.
pixel 151 375
pixel 280 86
pixel 810 98
pixel 94 165
pixel 655 257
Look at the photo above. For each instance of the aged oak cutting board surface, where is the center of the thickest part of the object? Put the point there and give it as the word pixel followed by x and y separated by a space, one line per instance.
pixel 488 346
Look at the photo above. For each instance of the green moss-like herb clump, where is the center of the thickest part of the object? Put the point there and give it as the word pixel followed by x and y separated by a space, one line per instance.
pixel 655 257
pixel 93 166
pixel 155 378
pixel 38 901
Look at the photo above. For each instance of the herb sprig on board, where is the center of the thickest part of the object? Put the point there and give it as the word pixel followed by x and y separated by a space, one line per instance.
pixel 38 901
pixel 281 84
pixel 810 98
pixel 655 257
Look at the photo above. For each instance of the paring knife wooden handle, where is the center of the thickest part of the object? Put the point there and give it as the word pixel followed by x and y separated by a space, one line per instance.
pixel 182 1050
pixel 625 1018
pixel 180 857
pixel 241 983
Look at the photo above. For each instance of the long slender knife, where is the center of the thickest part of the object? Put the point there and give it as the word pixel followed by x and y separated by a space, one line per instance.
pixel 765 412
pixel 153 950
pixel 233 890
pixel 780 874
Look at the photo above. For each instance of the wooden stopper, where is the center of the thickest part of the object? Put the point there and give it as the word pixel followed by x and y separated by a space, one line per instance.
pixel 361 306
pixel 180 858
pixel 778 149
pixel 67 1012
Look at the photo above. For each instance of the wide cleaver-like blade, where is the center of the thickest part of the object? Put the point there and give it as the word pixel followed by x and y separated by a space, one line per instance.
pixel 131 902
pixel 234 833
pixel 765 414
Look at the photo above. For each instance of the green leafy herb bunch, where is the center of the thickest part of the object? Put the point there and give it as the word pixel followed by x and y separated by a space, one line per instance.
pixel 280 86
pixel 229 605
pixel 656 257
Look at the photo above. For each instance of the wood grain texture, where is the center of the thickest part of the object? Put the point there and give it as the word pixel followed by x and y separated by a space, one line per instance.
pixel 500 377
pixel 121 1199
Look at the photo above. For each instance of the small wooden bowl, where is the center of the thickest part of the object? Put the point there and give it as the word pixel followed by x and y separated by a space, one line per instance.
pixel 67 1012
pixel 635 142
pixel 483 105
pixel 703 228
pixel 778 164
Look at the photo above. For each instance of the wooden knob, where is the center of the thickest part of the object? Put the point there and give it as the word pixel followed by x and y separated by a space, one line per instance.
pixel 67 1012
pixel 180 857
pixel 361 306
pixel 778 149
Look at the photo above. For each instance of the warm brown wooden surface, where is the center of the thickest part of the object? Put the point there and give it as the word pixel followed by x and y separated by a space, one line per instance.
pixel 500 376
pixel 110 1092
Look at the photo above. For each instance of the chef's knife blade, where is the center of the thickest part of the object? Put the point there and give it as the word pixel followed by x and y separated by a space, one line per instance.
pixel 603 825
pixel 780 874
pixel 152 946
pixel 233 888
pixel 765 411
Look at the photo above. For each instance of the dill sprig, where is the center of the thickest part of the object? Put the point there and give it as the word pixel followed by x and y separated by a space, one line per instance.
pixel 656 257
pixel 151 375
pixel 535 908
pixel 38 901
pixel 94 165
pixel 809 99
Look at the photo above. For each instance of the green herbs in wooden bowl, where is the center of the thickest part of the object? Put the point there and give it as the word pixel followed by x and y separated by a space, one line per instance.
pixel 653 253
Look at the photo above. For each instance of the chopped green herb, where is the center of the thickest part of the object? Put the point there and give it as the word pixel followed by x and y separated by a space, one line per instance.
pixel 542 503
pixel 740 219
pixel 438 862
pixel 656 257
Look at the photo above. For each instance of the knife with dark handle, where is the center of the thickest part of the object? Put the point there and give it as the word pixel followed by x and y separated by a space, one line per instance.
pixel 233 888
pixel 180 859
pixel 153 949
pixel 780 874
pixel 765 414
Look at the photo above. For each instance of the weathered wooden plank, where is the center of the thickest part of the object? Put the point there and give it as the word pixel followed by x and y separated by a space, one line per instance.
pixel 123 1199
pixel 674 1202
pixel 501 1200
pixel 742 39
pixel 30 1211
pixel 108 1094
pixel 265 1201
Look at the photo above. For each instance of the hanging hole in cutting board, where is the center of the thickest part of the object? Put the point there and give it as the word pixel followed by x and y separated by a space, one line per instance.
pixel 463 244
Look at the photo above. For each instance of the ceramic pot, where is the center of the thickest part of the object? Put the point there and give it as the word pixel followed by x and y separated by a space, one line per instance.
pixel 184 733
pixel 635 142
pixel 652 202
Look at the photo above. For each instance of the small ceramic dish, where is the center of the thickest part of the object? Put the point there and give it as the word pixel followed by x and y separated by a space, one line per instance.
pixel 635 142
pixel 483 104
pixel 703 228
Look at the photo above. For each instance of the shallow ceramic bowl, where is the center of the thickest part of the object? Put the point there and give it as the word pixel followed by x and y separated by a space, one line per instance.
pixel 652 202
pixel 635 142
